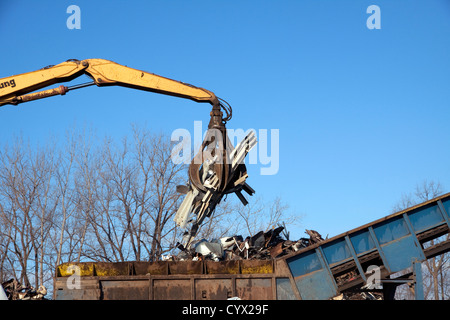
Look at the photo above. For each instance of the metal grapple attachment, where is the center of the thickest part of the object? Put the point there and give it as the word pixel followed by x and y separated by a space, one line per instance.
pixel 216 170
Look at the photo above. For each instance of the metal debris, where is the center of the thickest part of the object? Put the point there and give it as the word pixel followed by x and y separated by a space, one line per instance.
pixel 314 236
pixel 15 291
pixel 212 249
pixel 261 246
pixel 3 294
pixel 359 295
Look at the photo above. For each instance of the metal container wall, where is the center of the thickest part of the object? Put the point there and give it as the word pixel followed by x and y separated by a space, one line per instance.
pixel 181 280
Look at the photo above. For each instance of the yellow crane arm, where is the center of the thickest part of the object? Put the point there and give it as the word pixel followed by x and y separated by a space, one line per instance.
pixel 226 176
pixel 19 88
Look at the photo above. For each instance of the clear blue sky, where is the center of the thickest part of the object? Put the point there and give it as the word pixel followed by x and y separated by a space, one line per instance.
pixel 363 114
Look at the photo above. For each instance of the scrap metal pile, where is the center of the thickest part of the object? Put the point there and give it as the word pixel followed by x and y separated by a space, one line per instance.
pixel 263 245
pixel 15 291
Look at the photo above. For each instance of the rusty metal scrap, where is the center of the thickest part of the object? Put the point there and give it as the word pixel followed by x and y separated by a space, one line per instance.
pixel 16 291
pixel 261 246
pixel 355 295
pixel 314 236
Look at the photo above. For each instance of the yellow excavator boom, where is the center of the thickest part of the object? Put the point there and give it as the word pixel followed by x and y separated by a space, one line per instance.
pixel 16 89
pixel 215 171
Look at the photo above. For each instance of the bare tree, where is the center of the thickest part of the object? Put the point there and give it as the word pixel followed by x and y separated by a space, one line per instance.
pixel 94 200
pixel 263 216
pixel 5 242
pixel 17 197
pixel 126 195
pixel 223 222
pixel 166 175
pixel 43 167
pixel 27 207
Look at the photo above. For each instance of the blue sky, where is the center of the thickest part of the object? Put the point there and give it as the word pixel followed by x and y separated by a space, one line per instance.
pixel 362 114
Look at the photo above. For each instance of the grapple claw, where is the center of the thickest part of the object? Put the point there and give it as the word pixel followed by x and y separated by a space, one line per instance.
pixel 216 170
